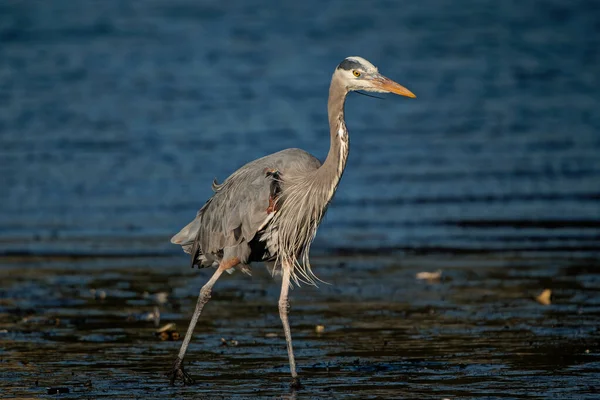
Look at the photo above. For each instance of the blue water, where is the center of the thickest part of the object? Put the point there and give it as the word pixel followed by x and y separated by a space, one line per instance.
pixel 115 117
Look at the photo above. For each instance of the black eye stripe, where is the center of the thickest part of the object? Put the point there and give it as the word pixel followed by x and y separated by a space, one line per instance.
pixel 349 64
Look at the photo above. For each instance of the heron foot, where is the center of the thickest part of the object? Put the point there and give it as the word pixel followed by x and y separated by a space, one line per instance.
pixel 179 373
pixel 295 384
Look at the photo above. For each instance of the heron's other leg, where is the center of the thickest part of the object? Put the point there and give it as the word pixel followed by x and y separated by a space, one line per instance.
pixel 203 298
pixel 284 306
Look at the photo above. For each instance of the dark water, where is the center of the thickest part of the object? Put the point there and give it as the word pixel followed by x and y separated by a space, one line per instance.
pixel 115 117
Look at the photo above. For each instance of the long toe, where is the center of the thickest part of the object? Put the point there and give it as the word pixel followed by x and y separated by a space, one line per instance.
pixel 186 378
pixel 295 384
pixel 178 373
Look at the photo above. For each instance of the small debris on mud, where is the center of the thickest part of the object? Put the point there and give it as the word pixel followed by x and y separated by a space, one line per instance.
pixel 166 328
pixel 57 390
pixel 159 298
pixel 172 336
pixel 545 297
pixel 154 316
pixel 98 294
pixel 320 328
pixel 429 276
pixel 231 343
pixel 270 335
pixel 167 332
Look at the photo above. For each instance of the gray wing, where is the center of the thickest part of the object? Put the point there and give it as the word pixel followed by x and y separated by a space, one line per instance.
pixel 240 208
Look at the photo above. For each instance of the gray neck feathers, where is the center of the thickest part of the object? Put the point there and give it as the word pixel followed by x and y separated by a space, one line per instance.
pixel 332 169
pixel 307 195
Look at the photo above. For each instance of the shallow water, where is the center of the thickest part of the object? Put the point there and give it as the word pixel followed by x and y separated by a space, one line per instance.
pixel 477 332
pixel 116 116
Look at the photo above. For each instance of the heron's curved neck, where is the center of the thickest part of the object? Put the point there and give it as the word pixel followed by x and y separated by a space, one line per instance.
pixel 334 164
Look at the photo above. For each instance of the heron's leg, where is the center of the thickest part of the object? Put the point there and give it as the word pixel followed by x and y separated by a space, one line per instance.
pixel 284 305
pixel 203 298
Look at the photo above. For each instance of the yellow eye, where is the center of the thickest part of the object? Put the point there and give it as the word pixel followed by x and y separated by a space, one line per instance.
pixel 356 73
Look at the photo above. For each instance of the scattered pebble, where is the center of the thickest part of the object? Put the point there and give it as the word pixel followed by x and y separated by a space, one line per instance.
pixel 98 294
pixel 57 390
pixel 167 327
pixel 231 342
pixel 429 276
pixel 161 297
pixel 167 332
pixel 320 328
pixel 544 297
pixel 153 316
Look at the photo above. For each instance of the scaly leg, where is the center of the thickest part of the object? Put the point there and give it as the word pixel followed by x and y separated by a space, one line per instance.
pixel 284 305
pixel 177 372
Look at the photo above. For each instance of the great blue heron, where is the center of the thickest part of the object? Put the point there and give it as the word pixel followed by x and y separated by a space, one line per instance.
pixel 269 209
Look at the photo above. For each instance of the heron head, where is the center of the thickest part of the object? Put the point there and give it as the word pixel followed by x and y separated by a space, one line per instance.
pixel 357 73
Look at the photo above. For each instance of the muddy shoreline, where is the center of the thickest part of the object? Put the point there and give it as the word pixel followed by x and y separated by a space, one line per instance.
pixel 477 331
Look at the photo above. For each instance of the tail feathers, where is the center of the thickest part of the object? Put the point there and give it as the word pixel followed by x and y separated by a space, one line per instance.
pixel 187 239
pixel 188 233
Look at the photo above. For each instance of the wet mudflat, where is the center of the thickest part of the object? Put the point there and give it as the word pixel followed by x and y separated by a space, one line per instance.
pixel 477 332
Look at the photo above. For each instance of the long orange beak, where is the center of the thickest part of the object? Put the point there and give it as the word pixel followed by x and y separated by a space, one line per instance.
pixel 389 85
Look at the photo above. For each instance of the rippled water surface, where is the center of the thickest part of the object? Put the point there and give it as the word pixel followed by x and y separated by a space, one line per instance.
pixel 115 117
